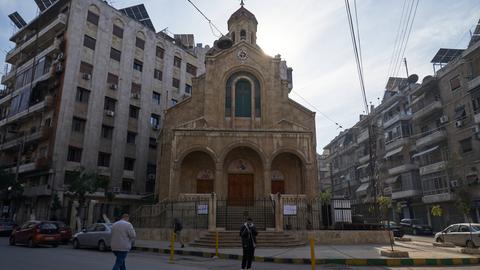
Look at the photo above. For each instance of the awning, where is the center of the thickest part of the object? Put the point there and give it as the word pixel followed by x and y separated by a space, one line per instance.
pixel 394 152
pixel 392 180
pixel 362 189
pixel 425 152
pixel 363 166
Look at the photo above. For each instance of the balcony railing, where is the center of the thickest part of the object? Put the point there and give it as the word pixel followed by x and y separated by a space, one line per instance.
pixel 431 138
pixel 436 196
pixel 396 118
pixel 474 82
pixel 398 194
pixel 476 117
pixel 427 110
pixel 42 190
pixel 401 169
pixel 431 168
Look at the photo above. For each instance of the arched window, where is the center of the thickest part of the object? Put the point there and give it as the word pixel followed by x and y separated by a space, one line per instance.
pixel 243 98
pixel 243 35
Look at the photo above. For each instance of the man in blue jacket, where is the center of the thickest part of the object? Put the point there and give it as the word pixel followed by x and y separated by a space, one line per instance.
pixel 248 233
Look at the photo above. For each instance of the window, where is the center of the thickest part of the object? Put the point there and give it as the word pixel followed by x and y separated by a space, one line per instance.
pixel 82 95
pixel 243 98
pixel 455 83
pixel 243 35
pixel 131 136
pixel 78 124
pixel 129 164
pixel 107 132
pixel 188 89
pixel 103 159
pixel 112 79
pixel 152 143
pixel 86 68
pixel 117 31
pixel 156 98
pixel 74 154
pixel 134 111
pixel 137 65
pixel 160 52
pixel 460 113
pixel 92 18
pixel 89 42
pixel 191 69
pixel 177 62
pixel 140 43
pixel 176 83
pixel 157 74
pixel 466 145
pixel 155 120
pixel 127 185
pixel 109 104
pixel 115 54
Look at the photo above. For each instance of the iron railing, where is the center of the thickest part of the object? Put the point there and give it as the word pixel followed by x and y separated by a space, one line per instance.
pixel 232 214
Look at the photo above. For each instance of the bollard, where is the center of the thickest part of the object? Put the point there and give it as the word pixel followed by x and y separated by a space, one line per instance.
pixel 312 252
pixel 172 247
pixel 216 244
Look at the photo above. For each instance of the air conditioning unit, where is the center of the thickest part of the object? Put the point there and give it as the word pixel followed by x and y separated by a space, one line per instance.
pixel 114 86
pixel 443 119
pixel 116 189
pixel 109 113
pixel 459 124
pixel 136 95
pixel 86 76
pixel 454 183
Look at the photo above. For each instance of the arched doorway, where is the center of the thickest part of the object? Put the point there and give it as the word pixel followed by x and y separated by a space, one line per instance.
pixel 197 173
pixel 244 176
pixel 287 174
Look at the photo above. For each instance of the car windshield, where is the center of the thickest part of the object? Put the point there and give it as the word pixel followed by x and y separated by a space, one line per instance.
pixel 476 228
pixel 47 226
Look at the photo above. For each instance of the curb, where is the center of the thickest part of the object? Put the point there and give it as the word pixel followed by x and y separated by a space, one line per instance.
pixel 352 262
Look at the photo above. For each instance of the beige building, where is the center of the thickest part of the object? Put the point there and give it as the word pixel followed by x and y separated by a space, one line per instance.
pixel 88 87
pixel 239 134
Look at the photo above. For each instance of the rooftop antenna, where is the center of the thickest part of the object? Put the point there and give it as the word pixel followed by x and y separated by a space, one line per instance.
pixel 242 3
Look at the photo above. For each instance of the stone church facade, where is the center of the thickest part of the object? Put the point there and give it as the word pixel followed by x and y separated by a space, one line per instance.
pixel 239 135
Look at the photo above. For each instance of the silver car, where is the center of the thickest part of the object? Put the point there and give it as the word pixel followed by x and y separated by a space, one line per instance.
pixel 97 235
pixel 461 234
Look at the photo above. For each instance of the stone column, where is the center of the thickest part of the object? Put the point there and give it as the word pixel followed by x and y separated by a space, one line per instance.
pixel 219 181
pixel 310 180
pixel 267 174
pixel 212 212
pixel 278 213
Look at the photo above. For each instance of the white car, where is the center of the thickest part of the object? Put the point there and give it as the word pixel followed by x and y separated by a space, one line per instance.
pixel 461 234
pixel 97 235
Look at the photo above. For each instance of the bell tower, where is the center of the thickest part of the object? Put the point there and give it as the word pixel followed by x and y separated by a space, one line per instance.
pixel 242 26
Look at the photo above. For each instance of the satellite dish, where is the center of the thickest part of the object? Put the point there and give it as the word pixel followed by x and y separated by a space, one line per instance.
pixel 427 78
pixel 412 78
pixel 224 42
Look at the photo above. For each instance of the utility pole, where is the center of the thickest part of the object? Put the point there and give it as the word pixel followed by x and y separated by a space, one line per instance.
pixel 372 142
pixel 406 66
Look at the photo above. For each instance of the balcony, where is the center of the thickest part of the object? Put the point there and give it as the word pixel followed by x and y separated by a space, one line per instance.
pixel 474 83
pixel 435 167
pixel 48 32
pixel 405 193
pixel 476 118
pixel 401 169
pixel 396 118
pixel 444 196
pixel 431 138
pixel 42 190
pixel 397 142
pixel 8 76
pixel 427 110
pixel 46 103
pixel 363 136
pixel 364 159
pixel 41 134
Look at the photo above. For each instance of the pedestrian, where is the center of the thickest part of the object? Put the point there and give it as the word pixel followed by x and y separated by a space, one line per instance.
pixel 177 229
pixel 248 233
pixel 123 236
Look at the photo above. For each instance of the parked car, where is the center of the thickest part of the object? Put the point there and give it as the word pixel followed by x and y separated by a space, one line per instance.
pixel 97 235
pixel 394 227
pixel 6 227
pixel 461 234
pixel 415 227
pixel 65 231
pixel 33 233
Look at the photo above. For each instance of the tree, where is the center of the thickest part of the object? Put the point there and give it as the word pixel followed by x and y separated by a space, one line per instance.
pixel 56 205
pixel 384 203
pixel 11 189
pixel 464 203
pixel 437 211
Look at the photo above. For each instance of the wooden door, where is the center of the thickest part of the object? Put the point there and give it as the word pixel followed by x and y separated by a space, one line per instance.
pixel 278 187
pixel 204 185
pixel 240 189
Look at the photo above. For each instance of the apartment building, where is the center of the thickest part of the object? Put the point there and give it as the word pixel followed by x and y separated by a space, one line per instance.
pixel 87 89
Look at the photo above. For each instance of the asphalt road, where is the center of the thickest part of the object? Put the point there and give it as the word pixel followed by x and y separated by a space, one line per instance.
pixel 67 258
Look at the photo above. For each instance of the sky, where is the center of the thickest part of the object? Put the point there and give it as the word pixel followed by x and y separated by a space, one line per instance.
pixel 313 36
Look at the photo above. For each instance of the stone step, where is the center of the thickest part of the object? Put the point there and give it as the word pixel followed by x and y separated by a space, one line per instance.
pixel 264 239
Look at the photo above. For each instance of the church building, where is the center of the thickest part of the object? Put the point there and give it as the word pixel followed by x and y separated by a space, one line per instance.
pixel 239 135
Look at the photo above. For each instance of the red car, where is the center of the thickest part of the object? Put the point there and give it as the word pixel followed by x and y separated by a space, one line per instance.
pixel 33 233
pixel 65 232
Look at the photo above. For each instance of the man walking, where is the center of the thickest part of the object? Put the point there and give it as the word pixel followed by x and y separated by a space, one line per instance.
pixel 123 236
pixel 248 232
pixel 177 229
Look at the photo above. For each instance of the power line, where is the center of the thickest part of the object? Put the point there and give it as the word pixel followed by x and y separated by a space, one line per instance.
pixel 397 36
pixel 206 18
pixel 408 37
pixel 317 110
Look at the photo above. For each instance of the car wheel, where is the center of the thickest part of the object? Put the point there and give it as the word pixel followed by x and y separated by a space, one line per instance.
pixel 101 246
pixel 470 244
pixel 76 244
pixel 11 241
pixel 31 243
pixel 439 240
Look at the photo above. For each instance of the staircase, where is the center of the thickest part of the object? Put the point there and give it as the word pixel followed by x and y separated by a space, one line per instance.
pixel 232 217
pixel 231 239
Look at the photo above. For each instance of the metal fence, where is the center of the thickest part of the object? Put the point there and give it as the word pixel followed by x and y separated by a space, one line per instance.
pixel 232 214
pixel 192 214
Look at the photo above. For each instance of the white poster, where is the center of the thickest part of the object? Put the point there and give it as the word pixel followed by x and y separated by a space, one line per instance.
pixel 202 209
pixel 289 210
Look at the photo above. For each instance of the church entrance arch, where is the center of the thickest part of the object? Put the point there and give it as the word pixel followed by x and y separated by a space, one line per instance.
pixel 287 174
pixel 197 173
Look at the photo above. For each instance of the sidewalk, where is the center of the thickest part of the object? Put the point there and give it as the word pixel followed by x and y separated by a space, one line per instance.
pixel 420 254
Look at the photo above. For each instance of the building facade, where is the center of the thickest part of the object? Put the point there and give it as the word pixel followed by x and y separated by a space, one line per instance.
pixel 239 135
pixel 87 90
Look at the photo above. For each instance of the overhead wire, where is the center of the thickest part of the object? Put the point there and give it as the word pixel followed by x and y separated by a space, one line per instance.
pixel 212 25
pixel 407 38
pixel 403 34
pixel 397 36
pixel 317 110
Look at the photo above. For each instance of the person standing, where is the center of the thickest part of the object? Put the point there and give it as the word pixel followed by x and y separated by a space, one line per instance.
pixel 123 236
pixel 177 229
pixel 248 233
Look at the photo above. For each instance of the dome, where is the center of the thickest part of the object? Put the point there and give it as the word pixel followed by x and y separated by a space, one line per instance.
pixel 242 13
